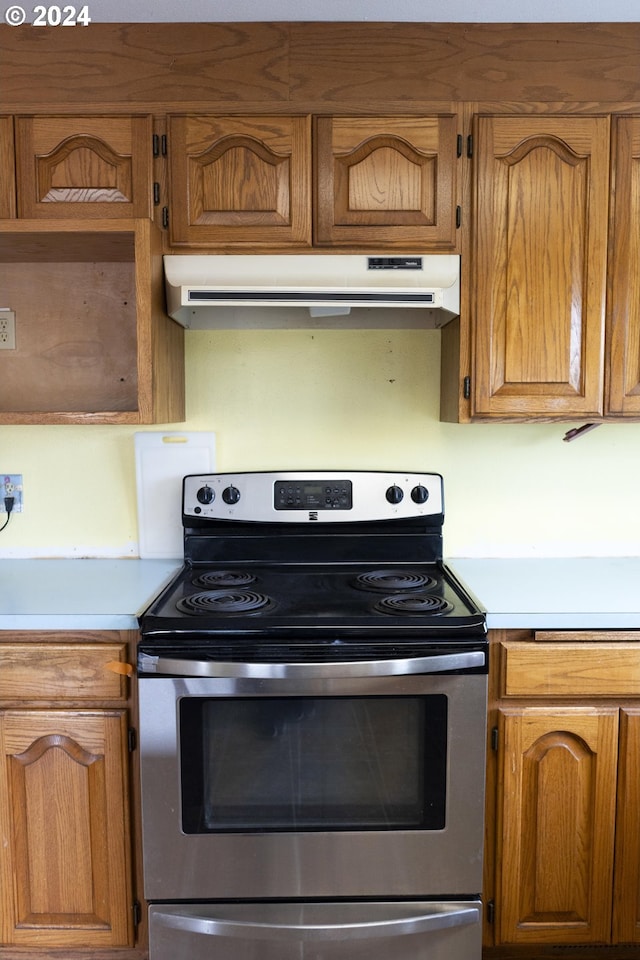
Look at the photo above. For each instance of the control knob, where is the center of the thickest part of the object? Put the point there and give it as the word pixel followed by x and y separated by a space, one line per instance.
pixel 394 494
pixel 205 494
pixel 231 495
pixel 419 494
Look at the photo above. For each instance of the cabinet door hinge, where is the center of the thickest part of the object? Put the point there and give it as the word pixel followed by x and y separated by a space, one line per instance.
pixel 156 193
pixel 159 145
pixel 470 146
pixel 458 217
pixel 459 145
pixel 132 739
pixel 165 217
pixel 494 738
pixel 466 388
pixel 136 911
pixel 491 911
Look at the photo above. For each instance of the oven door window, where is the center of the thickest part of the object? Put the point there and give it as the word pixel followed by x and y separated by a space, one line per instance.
pixel 306 763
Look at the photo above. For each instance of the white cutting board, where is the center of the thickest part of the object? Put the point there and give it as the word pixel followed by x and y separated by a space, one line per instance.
pixel 162 460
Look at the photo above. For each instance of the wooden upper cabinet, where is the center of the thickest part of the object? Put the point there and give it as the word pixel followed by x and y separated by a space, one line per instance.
pixel 386 181
pixel 240 180
pixel 7 169
pixel 97 166
pixel 538 293
pixel 623 368
pixel 94 343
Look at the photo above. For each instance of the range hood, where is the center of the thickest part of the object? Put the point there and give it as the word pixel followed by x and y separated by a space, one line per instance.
pixel 210 291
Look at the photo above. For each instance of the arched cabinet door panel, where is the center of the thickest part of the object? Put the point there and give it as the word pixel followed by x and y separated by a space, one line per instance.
pixel 84 167
pixel 540 265
pixel 240 180
pixel 65 868
pixel 386 181
pixel 557 809
pixel 623 367
pixel 626 911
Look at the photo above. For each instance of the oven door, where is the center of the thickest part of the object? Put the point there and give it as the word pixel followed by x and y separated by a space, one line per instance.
pixel 324 781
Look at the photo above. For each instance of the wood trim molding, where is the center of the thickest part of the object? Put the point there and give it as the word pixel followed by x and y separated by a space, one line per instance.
pixel 284 65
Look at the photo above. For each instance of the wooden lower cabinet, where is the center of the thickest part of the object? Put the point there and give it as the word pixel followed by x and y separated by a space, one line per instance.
pixel 68 865
pixel 558 813
pixel 563 833
pixel 66 872
pixel 626 900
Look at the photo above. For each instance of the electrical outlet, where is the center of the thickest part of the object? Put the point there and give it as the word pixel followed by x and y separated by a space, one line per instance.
pixel 11 486
pixel 7 330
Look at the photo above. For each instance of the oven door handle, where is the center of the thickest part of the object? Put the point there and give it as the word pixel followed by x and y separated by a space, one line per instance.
pixel 436 916
pixel 438 663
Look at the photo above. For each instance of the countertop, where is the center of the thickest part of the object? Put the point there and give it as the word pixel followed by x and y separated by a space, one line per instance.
pixel 79 594
pixel 601 593
pixel 571 594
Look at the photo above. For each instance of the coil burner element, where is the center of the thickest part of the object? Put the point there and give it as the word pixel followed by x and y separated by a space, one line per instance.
pixel 217 579
pixel 393 581
pixel 412 604
pixel 223 602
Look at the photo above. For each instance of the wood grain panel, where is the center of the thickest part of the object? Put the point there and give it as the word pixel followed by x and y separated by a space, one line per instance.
pixel 161 370
pixel 117 357
pixel 465 61
pixel 558 821
pixel 72 671
pixel 66 862
pixel 626 905
pixel 570 669
pixel 240 180
pixel 96 166
pixel 623 382
pixel 386 180
pixel 86 364
pixel 328 63
pixel 540 222
pixel 7 169
pixel 150 62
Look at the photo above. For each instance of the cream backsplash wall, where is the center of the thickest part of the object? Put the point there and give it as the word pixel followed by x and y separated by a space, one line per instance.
pixel 338 399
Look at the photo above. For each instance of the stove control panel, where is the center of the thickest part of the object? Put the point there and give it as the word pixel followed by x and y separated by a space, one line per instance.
pixel 330 494
pixel 312 496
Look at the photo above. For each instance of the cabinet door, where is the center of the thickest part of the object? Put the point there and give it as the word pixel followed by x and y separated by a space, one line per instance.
pixel 626 914
pixel 623 387
pixel 540 255
pixel 7 169
pixel 84 167
pixel 386 181
pixel 64 826
pixel 557 802
pixel 240 180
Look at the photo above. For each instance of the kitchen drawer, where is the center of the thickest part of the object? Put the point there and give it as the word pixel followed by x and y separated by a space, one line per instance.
pixel 564 669
pixel 54 671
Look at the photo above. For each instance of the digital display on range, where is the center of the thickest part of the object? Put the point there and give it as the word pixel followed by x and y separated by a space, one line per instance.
pixel 313 495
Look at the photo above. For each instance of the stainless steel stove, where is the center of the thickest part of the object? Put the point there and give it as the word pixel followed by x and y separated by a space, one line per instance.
pixel 314 558
pixel 313 690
